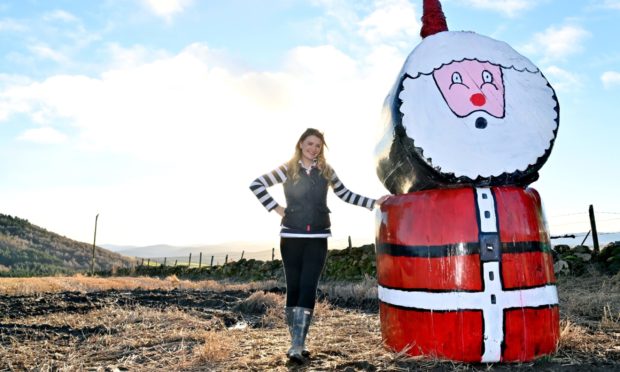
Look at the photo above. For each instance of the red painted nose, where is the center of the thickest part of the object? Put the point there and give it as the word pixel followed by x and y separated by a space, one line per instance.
pixel 478 99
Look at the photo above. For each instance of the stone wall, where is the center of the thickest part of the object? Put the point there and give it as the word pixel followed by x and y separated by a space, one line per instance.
pixel 357 263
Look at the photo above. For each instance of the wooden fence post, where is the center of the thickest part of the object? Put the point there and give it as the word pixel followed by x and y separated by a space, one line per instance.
pixel 226 260
pixel 350 241
pixel 273 254
pixel 189 263
pixel 175 262
pixel 242 252
pixel 593 226
pixel 211 262
pixel 200 261
pixel 164 261
pixel 148 262
pixel 142 264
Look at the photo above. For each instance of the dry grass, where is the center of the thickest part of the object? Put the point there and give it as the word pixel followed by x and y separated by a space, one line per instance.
pixel 81 283
pixel 130 339
pixel 588 299
pixel 259 302
pixel 366 288
pixel 218 347
pixel 145 339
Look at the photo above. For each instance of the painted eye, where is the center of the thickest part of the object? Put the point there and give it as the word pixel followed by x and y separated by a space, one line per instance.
pixel 456 78
pixel 487 77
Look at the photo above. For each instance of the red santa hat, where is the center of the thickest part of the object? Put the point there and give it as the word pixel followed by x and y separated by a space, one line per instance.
pixel 433 19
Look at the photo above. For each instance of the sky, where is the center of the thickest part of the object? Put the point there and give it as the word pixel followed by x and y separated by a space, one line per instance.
pixel 157 114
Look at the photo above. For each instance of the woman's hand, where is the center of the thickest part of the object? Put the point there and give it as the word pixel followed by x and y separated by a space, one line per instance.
pixel 280 210
pixel 382 199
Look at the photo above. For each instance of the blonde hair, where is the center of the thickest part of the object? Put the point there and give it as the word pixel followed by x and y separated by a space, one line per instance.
pixel 293 164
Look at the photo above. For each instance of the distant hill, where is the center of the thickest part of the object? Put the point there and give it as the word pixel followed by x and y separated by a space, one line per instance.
pixel 26 250
pixel 164 250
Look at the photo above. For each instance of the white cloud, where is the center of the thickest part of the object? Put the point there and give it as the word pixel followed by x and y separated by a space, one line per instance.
pixel 122 57
pixel 562 80
pixel 610 79
pixel 612 4
pixel 45 52
pixel 210 130
pixel 208 127
pixel 43 135
pixel 510 8
pixel 12 25
pixel 556 44
pixel 391 19
pixel 359 26
pixel 167 8
pixel 60 15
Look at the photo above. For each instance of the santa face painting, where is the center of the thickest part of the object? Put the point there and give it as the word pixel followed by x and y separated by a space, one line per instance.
pixel 466 110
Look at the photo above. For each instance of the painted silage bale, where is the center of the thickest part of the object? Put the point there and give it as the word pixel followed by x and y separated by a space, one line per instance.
pixel 466 274
pixel 463 261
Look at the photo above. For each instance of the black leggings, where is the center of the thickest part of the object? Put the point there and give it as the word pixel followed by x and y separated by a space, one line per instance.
pixel 303 260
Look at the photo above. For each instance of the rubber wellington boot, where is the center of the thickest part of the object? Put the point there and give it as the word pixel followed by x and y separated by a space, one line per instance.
pixel 299 329
pixel 289 322
pixel 289 319
pixel 307 319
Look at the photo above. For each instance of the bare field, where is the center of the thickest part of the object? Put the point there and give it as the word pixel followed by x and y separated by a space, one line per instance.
pixel 145 324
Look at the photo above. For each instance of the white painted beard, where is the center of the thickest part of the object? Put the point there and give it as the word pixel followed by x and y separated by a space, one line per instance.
pixel 454 145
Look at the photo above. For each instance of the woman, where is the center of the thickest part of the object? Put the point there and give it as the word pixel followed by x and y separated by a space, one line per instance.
pixel 305 227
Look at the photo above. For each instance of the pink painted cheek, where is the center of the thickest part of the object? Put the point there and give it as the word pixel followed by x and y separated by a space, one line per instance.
pixel 461 99
pixel 494 100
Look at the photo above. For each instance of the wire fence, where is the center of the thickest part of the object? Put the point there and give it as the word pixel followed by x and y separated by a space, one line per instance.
pixel 607 222
pixel 591 228
pixel 198 260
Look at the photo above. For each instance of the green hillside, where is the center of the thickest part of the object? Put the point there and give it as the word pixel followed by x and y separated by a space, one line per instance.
pixel 29 250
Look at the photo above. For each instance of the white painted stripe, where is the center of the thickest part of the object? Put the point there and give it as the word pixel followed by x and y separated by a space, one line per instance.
pixel 532 297
pixel 492 314
pixel 486 205
pixel 442 301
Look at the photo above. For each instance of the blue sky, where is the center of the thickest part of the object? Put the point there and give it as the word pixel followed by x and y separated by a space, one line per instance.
pixel 157 114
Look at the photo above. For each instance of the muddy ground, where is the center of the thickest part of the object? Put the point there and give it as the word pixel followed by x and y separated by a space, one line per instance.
pixel 206 329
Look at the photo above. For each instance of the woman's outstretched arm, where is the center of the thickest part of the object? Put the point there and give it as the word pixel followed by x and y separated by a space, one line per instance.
pixel 349 196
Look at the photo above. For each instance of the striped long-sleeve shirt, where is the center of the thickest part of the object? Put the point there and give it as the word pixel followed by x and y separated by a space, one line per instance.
pixel 279 175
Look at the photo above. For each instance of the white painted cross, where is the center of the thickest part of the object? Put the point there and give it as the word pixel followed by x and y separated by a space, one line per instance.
pixel 493 300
